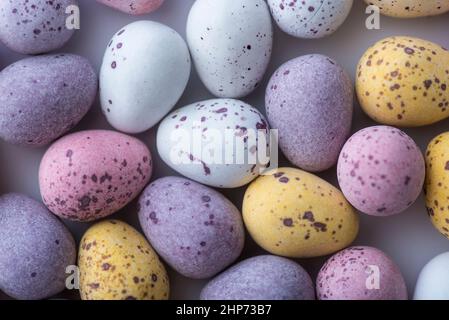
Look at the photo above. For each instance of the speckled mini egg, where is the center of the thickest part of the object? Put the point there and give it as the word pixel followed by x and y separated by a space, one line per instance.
pixel 134 7
pixel 197 240
pixel 403 81
pixel 360 273
pixel 292 213
pixel 437 182
pixel 310 18
pixel 145 70
pixel 35 26
pixel 433 281
pixel 231 43
pixel 411 8
pixel 117 263
pixel 35 249
pixel 89 175
pixel 43 97
pixel 215 142
pixel 261 278
pixel 381 171
pixel 310 101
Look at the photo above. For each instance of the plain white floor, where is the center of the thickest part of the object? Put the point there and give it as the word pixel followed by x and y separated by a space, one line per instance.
pixel 409 238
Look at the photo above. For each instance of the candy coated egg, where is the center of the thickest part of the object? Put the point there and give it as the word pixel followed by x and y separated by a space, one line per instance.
pixel 134 7
pixel 35 249
pixel 231 43
pixel 360 273
pixel 117 263
pixel 381 171
pixel 310 101
pixel 292 213
pixel 198 240
pixel 433 281
pixel 144 72
pixel 91 174
pixel 261 278
pixel 403 81
pixel 410 8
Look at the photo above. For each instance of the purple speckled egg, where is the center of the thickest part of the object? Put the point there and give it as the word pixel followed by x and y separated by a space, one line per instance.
pixel 195 229
pixel 35 26
pixel 89 175
pixel 35 249
pixel 134 7
pixel 381 171
pixel 360 273
pixel 310 101
pixel 43 97
pixel 261 278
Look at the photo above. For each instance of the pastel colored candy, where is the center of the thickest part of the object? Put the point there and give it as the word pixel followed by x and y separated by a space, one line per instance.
pixel 134 7
pixel 381 171
pixel 411 8
pixel 43 97
pixel 89 175
pixel 199 239
pixel 360 273
pixel 403 81
pixel 231 44
pixel 310 101
pixel 433 280
pixel 35 249
pixel 35 26
pixel 261 278
pixel 310 19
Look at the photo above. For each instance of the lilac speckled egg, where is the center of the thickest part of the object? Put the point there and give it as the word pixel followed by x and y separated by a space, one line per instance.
pixel 310 101
pixel 134 7
pixel 261 278
pixel 360 273
pixel 35 26
pixel 43 97
pixel 381 171
pixel 195 229
pixel 89 175
pixel 35 249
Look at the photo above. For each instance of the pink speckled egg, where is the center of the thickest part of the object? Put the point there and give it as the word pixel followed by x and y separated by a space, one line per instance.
pixel 89 175
pixel 381 171
pixel 360 273
pixel 135 7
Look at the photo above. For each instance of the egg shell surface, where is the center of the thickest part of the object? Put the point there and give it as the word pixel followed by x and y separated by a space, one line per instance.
pixel 35 249
pixel 295 214
pixel 91 174
pixel 310 101
pixel 215 142
pixel 310 19
pixel 134 7
pixel 34 26
pixel 381 171
pixel 261 278
pixel 195 229
pixel 403 81
pixel 360 273
pixel 231 44
pixel 44 97
pixel 437 182
pixel 411 8
pixel 145 71
pixel 433 280
pixel 117 263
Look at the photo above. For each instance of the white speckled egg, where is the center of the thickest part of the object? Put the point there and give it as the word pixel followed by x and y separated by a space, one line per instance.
pixel 220 142
pixel 231 43
pixel 310 19
pixel 145 71
pixel 433 281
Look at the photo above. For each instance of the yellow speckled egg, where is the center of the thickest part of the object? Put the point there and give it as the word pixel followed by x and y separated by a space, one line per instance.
pixel 117 263
pixel 411 8
pixel 292 213
pixel 436 187
pixel 404 81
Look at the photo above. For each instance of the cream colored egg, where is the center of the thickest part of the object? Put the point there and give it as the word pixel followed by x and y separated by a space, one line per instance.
pixel 411 8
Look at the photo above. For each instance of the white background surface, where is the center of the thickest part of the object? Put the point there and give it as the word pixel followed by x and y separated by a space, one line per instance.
pixel 409 238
